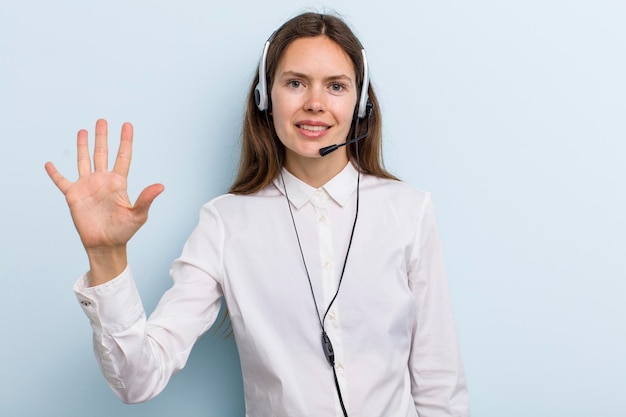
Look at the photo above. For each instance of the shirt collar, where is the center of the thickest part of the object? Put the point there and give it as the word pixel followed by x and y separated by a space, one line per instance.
pixel 339 188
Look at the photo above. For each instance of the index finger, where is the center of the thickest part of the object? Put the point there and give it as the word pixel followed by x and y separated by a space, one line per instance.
pixel 125 151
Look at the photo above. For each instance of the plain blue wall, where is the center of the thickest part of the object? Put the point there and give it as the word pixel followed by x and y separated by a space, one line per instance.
pixel 511 112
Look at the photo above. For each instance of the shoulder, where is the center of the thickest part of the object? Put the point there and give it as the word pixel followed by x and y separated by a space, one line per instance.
pixel 395 192
pixel 226 205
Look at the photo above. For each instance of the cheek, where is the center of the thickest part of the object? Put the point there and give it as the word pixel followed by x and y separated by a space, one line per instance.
pixel 349 115
pixel 344 107
pixel 345 112
pixel 280 119
pixel 282 109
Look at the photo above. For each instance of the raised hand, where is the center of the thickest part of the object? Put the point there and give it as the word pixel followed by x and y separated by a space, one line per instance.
pixel 99 203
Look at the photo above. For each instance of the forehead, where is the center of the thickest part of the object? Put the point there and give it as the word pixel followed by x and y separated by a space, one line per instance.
pixel 316 55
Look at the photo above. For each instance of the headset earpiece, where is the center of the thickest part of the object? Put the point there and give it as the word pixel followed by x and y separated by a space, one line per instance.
pixel 260 91
pixel 364 99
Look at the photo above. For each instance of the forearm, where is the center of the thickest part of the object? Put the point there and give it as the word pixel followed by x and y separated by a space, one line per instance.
pixel 106 264
pixel 137 357
pixel 439 385
pixel 131 365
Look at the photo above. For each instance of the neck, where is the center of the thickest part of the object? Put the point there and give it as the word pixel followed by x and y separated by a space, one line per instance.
pixel 316 171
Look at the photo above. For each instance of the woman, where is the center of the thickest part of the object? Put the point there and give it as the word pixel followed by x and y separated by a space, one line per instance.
pixel 330 267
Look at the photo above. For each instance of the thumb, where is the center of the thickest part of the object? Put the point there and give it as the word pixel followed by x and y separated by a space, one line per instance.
pixel 146 197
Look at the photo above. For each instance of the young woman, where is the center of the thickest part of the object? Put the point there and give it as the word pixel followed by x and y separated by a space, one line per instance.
pixel 330 267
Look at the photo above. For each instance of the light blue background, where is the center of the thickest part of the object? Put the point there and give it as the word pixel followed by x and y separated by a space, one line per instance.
pixel 511 112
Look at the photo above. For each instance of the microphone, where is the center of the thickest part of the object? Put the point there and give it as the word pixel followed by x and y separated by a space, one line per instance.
pixel 328 149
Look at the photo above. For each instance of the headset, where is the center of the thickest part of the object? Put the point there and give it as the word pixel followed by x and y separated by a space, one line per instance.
pixel 261 95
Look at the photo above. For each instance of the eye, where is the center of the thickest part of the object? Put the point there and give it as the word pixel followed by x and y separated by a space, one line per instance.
pixel 294 83
pixel 337 87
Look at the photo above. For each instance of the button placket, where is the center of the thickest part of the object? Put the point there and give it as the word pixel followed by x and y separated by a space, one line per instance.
pixel 320 203
pixel 329 274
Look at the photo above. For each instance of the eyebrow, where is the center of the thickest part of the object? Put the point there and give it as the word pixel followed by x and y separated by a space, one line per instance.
pixel 295 74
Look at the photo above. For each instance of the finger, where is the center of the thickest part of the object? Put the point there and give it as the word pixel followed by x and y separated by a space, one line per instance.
pixel 101 149
pixel 145 199
pixel 125 151
pixel 59 180
pixel 82 147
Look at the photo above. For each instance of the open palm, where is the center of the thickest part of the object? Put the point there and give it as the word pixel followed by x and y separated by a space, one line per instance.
pixel 98 199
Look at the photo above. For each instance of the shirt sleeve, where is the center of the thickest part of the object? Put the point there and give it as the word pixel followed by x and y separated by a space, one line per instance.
pixel 137 356
pixel 438 380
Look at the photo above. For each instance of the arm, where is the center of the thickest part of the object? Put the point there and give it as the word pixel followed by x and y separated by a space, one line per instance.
pixel 137 356
pixel 99 203
pixel 438 380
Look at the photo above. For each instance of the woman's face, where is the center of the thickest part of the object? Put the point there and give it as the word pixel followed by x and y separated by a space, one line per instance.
pixel 313 99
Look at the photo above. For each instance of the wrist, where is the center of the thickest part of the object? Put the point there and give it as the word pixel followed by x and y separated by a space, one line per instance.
pixel 106 263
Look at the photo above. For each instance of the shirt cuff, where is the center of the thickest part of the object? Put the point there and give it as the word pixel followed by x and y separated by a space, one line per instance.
pixel 114 305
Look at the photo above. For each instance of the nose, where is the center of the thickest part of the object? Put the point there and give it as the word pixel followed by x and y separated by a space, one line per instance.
pixel 315 101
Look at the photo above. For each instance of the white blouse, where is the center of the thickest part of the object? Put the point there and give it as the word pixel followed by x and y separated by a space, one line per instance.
pixel 396 351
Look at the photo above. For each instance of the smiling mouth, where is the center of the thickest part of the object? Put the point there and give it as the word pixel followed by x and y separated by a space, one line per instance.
pixel 313 128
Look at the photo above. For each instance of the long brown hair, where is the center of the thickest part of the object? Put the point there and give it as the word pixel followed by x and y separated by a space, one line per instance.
pixel 258 165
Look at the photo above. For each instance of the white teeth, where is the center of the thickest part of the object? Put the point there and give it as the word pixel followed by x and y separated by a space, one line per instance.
pixel 313 128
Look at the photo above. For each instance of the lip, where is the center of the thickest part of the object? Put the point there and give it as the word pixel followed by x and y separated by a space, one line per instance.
pixel 312 128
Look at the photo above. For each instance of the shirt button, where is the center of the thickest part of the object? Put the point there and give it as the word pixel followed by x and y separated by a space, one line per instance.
pixel 331 315
pixel 327 264
pixel 322 218
pixel 338 367
pixel 85 303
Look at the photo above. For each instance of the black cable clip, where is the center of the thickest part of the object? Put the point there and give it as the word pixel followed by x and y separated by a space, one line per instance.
pixel 328 348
